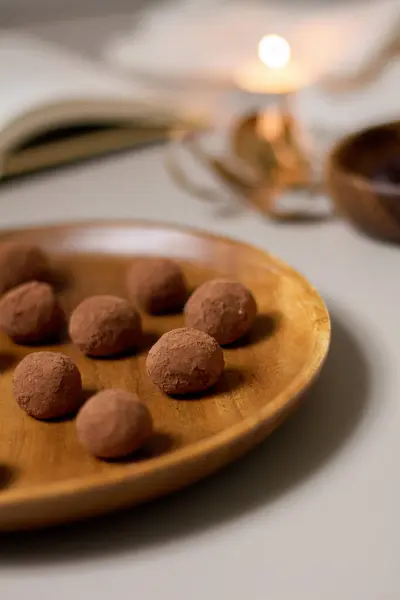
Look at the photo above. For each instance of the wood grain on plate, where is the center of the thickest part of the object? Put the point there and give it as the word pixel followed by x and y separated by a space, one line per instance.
pixel 47 478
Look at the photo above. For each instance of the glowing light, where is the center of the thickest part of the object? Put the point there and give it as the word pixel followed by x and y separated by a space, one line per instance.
pixel 274 51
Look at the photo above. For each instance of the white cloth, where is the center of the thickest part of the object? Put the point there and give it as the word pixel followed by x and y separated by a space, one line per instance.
pixel 207 41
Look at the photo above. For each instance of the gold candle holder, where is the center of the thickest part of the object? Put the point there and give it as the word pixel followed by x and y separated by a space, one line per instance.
pixel 267 158
pixel 267 155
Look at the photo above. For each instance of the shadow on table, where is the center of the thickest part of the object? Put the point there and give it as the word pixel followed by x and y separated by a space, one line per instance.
pixel 331 412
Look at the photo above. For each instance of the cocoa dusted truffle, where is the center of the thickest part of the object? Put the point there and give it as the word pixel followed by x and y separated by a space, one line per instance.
pixel 157 285
pixel 185 361
pixel 113 424
pixel 20 262
pixel 30 313
pixel 224 309
pixel 105 326
pixel 47 385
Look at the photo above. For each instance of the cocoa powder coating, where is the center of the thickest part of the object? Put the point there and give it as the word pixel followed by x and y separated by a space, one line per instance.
pixel 105 326
pixel 157 285
pixel 224 309
pixel 30 313
pixel 47 385
pixel 185 361
pixel 113 424
pixel 20 262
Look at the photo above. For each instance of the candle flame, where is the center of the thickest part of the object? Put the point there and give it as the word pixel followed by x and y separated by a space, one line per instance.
pixel 274 51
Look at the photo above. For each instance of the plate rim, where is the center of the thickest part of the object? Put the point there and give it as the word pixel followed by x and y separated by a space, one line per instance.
pixel 280 405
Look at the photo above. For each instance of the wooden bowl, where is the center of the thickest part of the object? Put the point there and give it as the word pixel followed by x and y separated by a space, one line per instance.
pixel 47 478
pixel 358 184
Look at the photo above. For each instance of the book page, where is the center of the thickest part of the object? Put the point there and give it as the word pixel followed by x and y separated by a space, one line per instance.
pixel 35 74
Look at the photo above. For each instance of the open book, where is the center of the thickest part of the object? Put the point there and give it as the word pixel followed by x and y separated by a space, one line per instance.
pixel 57 107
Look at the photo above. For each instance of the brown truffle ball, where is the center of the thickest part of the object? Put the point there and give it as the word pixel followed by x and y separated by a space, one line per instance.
pixel 185 361
pixel 30 313
pixel 224 309
pixel 113 424
pixel 157 285
pixel 105 326
pixel 47 385
pixel 20 263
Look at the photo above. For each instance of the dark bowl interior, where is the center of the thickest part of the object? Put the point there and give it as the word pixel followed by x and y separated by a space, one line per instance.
pixel 363 179
pixel 372 155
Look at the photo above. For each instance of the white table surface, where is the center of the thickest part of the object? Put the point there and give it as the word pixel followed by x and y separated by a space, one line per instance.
pixel 312 514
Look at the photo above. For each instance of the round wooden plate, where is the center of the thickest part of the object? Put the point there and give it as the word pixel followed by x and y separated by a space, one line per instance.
pixel 47 478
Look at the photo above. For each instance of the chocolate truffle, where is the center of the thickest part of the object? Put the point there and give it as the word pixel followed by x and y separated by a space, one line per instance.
pixel 105 326
pixel 185 361
pixel 20 263
pixel 224 309
pixel 30 313
pixel 47 385
pixel 113 424
pixel 157 285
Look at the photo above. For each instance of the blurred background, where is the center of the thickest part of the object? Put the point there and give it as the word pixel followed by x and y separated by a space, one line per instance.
pixel 15 12
pixel 343 86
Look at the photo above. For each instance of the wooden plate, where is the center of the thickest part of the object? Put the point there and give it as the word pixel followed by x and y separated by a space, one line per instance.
pixel 45 476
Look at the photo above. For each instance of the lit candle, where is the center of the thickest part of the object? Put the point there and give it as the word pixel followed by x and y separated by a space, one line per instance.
pixel 274 73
